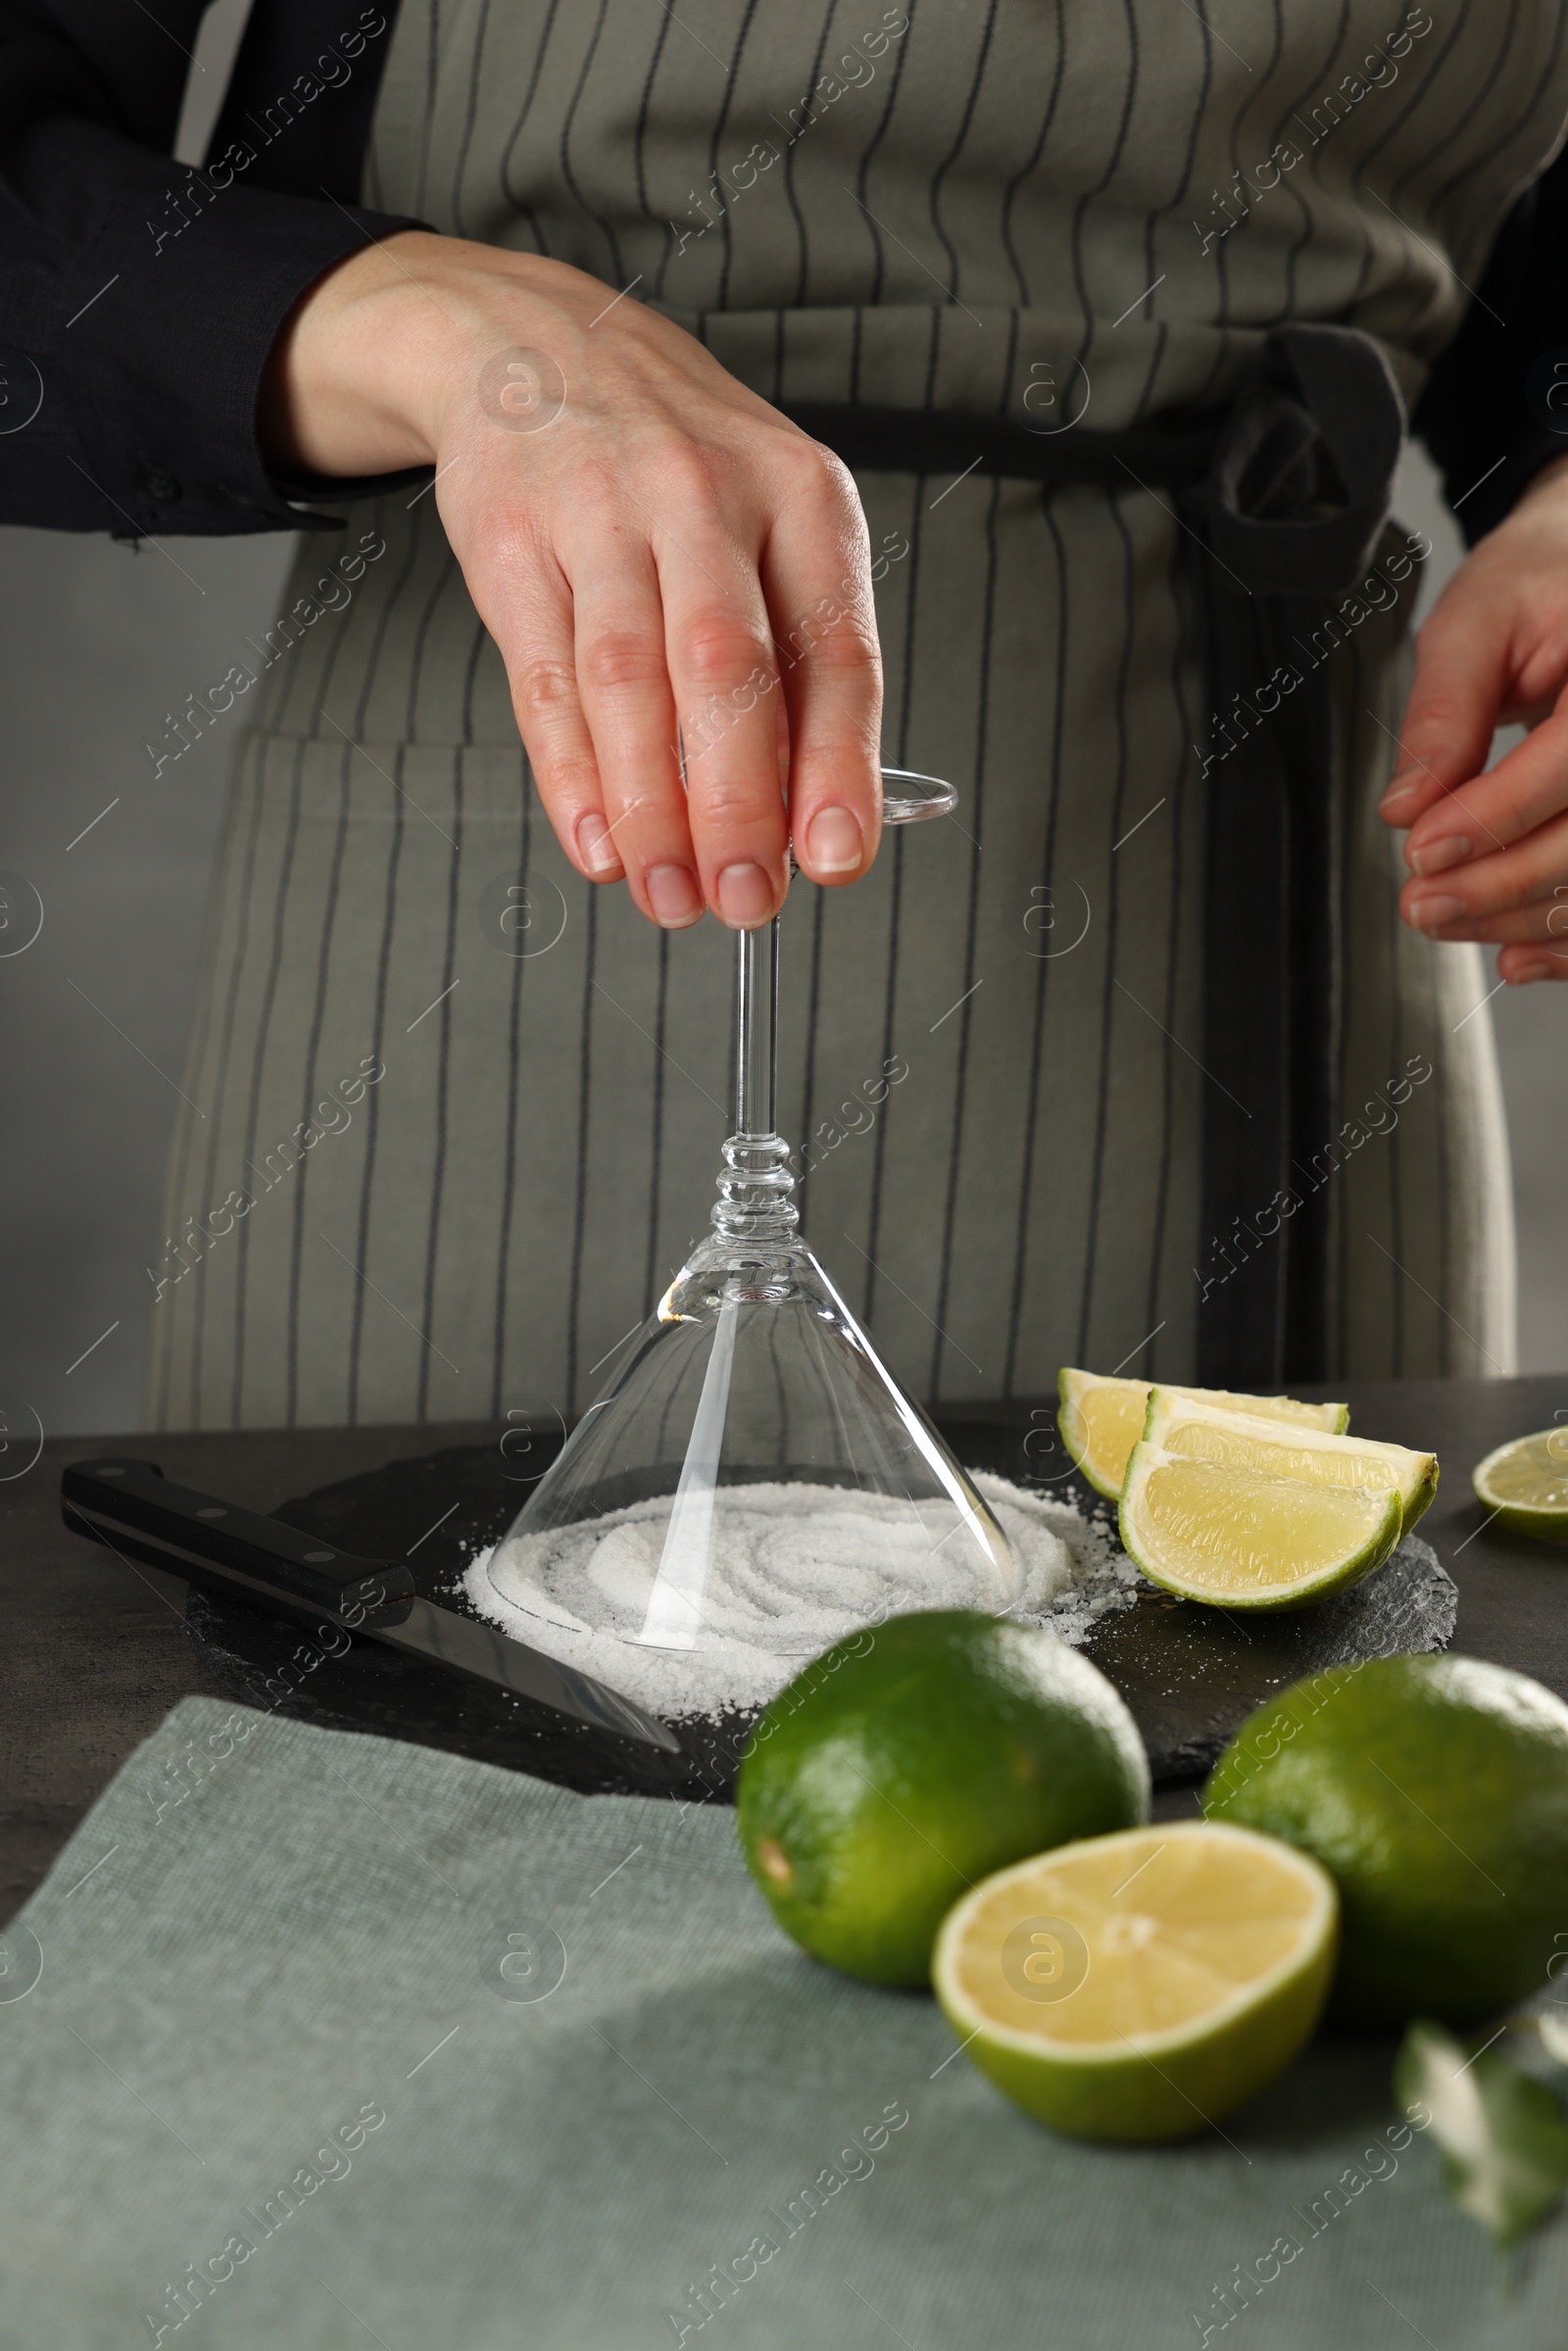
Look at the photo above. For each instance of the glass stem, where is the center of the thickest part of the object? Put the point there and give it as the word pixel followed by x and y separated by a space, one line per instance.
pixel 756 1187
pixel 756 1029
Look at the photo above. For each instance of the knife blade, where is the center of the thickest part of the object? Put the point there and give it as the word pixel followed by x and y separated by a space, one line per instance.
pixel 130 1507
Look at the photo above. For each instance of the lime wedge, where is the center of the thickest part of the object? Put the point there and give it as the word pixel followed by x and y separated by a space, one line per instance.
pixel 1101 1419
pixel 1216 1530
pixel 1199 1431
pixel 1141 1984
pixel 1525 1483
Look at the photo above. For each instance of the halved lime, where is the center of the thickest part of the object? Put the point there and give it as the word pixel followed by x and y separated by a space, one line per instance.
pixel 1101 1419
pixel 1217 1531
pixel 1196 1429
pixel 1140 1986
pixel 1525 1483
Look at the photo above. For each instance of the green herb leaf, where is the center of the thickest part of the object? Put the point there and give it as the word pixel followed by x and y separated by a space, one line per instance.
pixel 1502 2133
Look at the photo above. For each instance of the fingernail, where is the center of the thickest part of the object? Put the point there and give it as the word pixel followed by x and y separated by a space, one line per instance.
pixel 1431 913
pixel 595 847
pixel 834 842
pixel 673 894
pixel 1539 970
pixel 1400 789
pixel 1435 856
pixel 744 897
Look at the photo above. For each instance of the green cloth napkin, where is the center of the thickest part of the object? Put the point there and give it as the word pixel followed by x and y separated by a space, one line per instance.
pixel 298 2065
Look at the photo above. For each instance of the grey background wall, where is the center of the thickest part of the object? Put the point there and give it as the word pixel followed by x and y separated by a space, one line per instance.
pixel 97 643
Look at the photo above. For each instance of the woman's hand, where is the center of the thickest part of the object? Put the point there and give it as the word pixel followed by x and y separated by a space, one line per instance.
pixel 1490 853
pixel 649 544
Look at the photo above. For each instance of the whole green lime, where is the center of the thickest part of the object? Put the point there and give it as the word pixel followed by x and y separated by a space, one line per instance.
pixel 1435 1793
pixel 907 1762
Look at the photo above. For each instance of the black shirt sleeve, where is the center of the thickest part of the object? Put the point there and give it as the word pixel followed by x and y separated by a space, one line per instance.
pixel 1488 414
pixel 139 299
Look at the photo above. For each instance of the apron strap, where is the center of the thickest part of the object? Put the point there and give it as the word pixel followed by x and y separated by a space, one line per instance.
pixel 1284 495
pixel 1291 513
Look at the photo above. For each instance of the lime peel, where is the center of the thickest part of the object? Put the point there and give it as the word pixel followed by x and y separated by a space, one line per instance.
pixel 1434 1788
pixel 1265 1939
pixel 1525 1484
pixel 1101 1418
pixel 1240 1538
pixel 902 1765
pixel 1183 1423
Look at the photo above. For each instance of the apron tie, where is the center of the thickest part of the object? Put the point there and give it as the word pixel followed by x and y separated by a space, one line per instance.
pixel 1284 494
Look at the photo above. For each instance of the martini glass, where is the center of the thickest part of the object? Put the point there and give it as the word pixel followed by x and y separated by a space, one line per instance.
pixel 752 1478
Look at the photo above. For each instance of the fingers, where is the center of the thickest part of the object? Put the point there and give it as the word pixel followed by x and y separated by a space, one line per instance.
pixel 1488 851
pixel 624 683
pixel 714 593
pixel 538 645
pixel 1518 965
pixel 1533 939
pixel 1530 925
pixel 1464 901
pixel 816 573
pixel 1461 676
pixel 720 654
pixel 632 632
pixel 589 648
pixel 1524 791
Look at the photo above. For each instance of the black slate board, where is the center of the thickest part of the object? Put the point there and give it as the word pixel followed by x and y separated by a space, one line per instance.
pixel 1190 1674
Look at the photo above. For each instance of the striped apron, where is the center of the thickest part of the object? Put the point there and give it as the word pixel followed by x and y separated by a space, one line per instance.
pixel 459 1111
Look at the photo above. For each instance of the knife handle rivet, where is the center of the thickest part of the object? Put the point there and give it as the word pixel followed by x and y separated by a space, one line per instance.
pixel 319 1558
pixel 214 1513
pixel 110 1473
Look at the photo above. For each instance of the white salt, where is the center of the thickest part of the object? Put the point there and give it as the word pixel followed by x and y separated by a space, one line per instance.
pixel 796 1568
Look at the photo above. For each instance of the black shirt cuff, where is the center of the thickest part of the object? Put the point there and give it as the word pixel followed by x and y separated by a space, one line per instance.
pixel 144 313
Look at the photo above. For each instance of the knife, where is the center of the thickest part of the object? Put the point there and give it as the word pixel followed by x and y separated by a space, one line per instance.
pixel 131 1508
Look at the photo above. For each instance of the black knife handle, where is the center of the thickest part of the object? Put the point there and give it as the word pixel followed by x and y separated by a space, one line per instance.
pixel 132 1509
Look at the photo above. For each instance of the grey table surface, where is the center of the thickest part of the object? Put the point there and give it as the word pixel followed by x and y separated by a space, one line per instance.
pixel 95 1659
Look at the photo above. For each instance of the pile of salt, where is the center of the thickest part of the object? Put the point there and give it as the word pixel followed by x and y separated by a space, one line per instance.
pixel 795 1568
